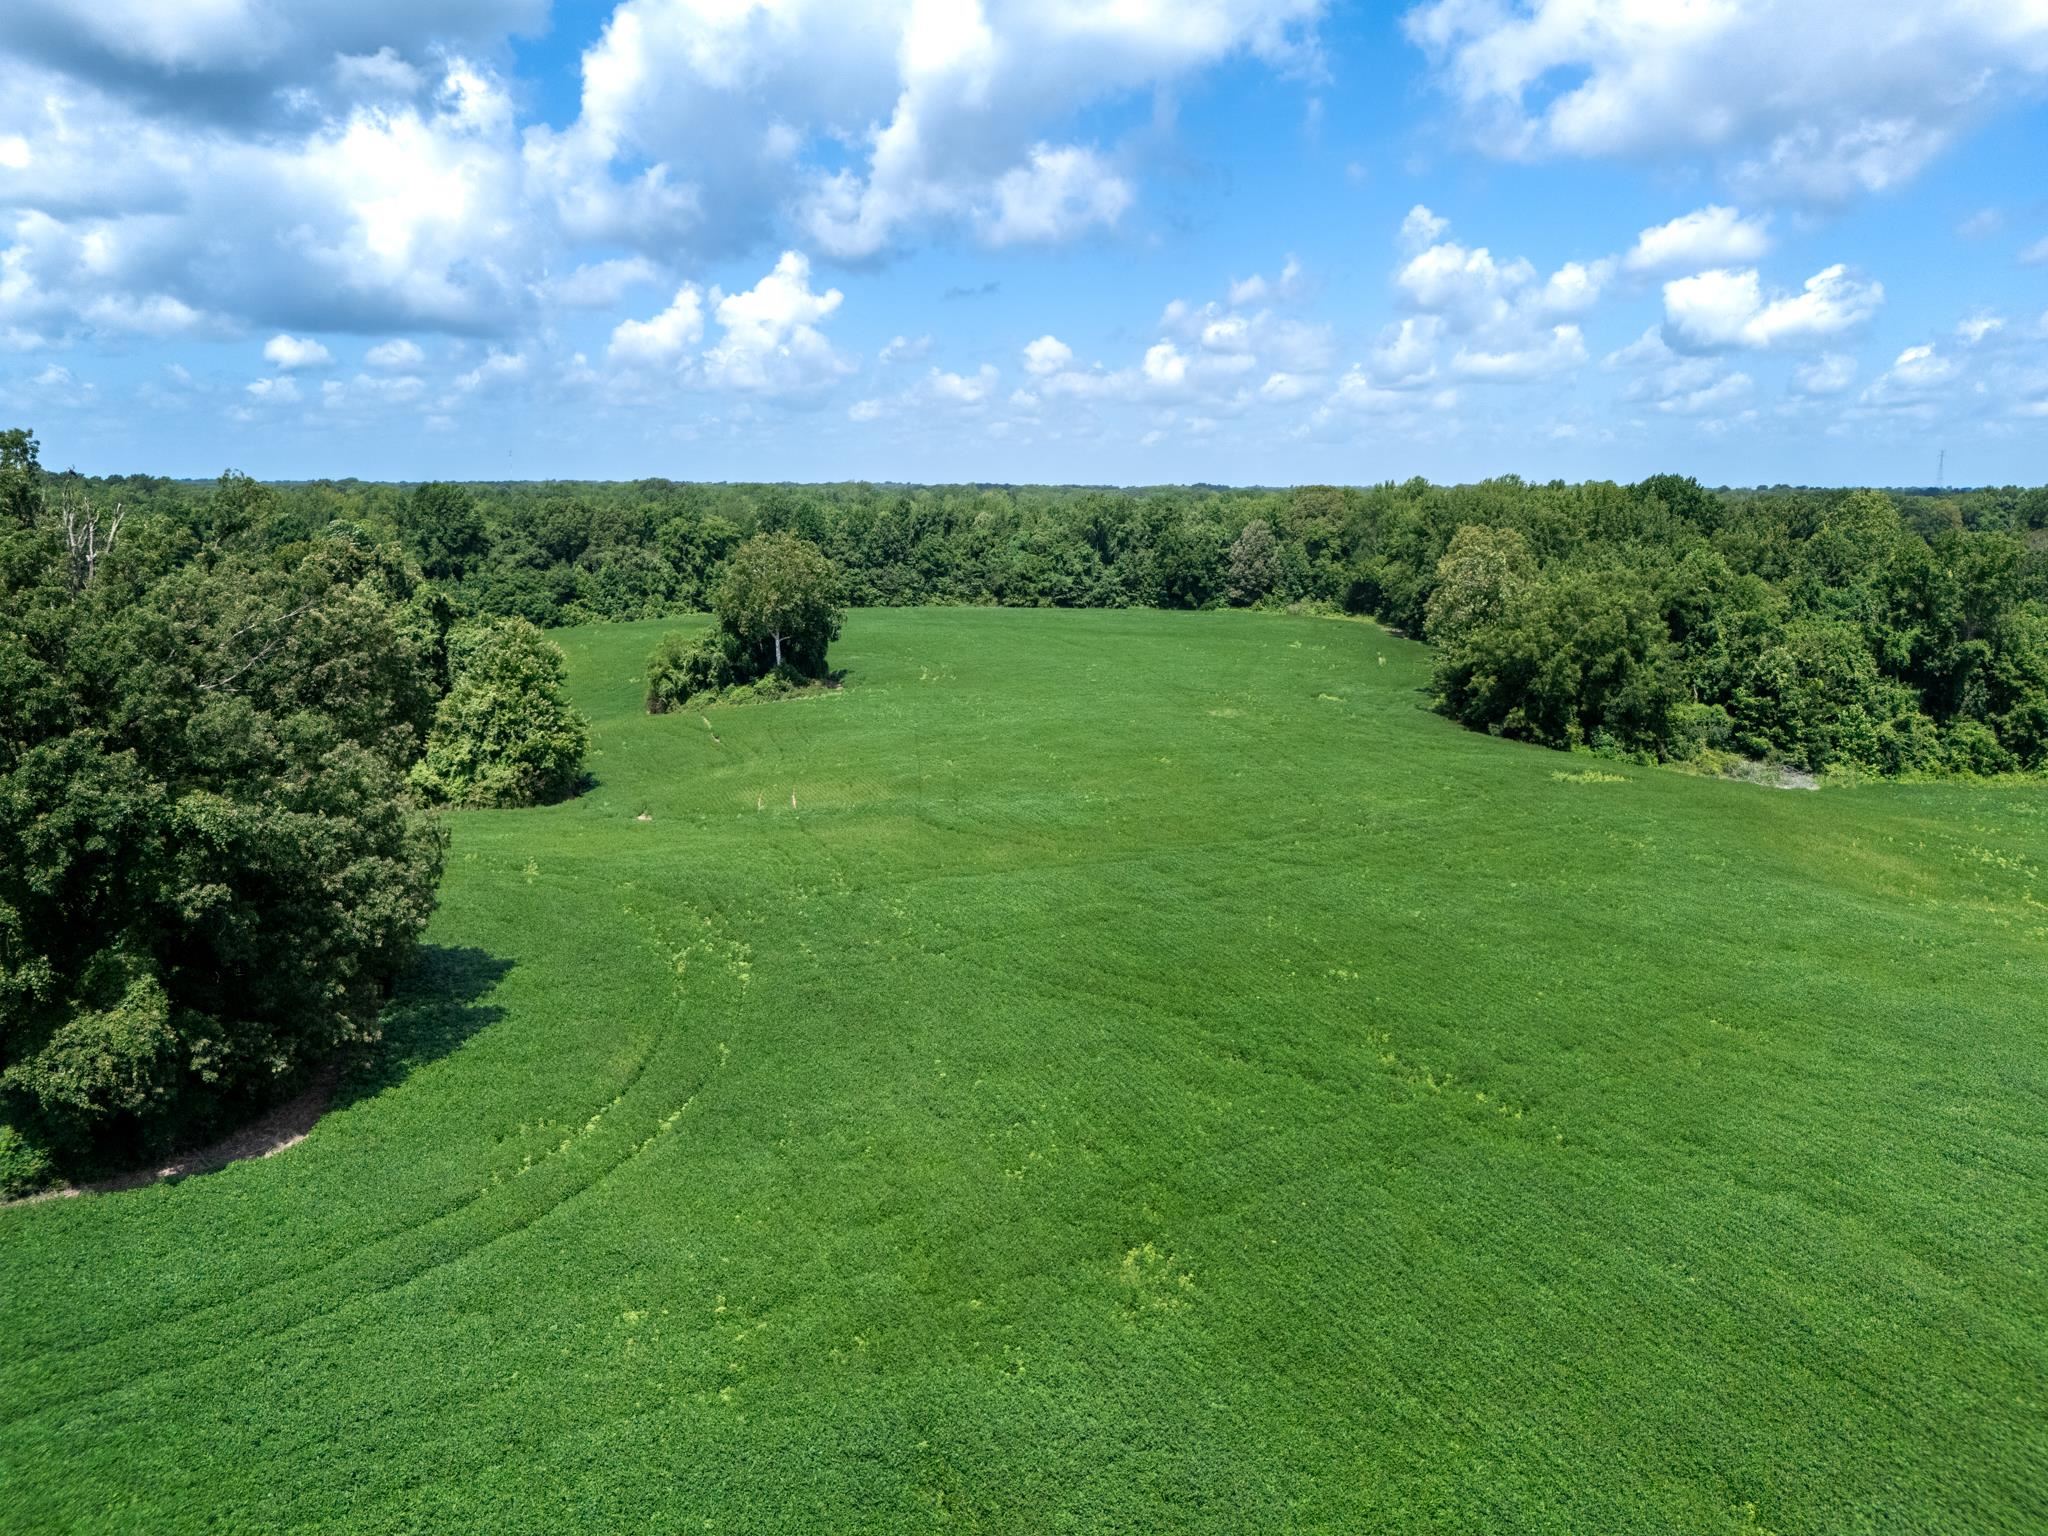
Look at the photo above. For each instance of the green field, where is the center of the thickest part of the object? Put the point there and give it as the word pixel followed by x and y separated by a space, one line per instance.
pixel 1115 1071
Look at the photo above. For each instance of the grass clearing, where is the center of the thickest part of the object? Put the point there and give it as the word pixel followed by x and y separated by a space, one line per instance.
pixel 1115 1071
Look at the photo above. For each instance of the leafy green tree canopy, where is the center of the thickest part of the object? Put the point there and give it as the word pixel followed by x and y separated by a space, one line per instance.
pixel 1480 574
pixel 21 474
pixel 1254 562
pixel 213 869
pixel 506 734
pixel 444 530
pixel 780 592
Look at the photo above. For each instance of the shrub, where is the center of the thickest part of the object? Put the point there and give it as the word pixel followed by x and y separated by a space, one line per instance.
pixel 682 668
pixel 1970 746
pixel 1816 699
pixel 506 734
pixel 24 1165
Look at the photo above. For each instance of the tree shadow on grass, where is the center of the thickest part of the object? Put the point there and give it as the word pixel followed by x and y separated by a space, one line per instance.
pixel 436 1006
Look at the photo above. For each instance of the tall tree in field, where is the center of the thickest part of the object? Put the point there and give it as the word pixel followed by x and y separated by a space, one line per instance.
pixel 778 609
pixel 780 591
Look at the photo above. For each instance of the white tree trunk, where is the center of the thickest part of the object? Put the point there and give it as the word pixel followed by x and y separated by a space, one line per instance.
pixel 80 518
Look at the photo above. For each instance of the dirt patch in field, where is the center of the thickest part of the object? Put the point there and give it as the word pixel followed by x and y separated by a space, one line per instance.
pixel 1772 775
pixel 284 1126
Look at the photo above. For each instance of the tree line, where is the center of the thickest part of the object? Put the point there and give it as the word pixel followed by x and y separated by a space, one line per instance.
pixel 1892 632
pixel 228 710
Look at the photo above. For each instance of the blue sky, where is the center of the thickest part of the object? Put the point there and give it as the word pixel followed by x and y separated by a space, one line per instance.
pixel 1247 241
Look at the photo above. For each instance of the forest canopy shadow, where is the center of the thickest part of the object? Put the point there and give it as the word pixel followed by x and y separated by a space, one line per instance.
pixel 436 1006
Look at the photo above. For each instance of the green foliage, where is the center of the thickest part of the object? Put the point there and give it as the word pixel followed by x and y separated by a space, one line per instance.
pixel 1947 589
pixel 927 1117
pixel 779 598
pixel 777 612
pixel 114 1053
pixel 1481 575
pixel 1254 566
pixel 1579 659
pixel 213 870
pixel 1839 639
pixel 1815 698
pixel 20 478
pixel 695 545
pixel 444 530
pixel 506 734
pixel 682 667
pixel 25 1165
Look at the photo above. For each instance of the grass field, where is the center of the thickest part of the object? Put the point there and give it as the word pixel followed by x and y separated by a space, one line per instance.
pixel 1116 1071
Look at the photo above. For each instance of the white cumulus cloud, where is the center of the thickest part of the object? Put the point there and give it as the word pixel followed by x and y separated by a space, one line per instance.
pixel 280 390
pixel 1822 99
pixel 964 389
pixel 1726 308
pixel 289 352
pixel 1914 378
pixel 1256 289
pixel 875 120
pixel 903 349
pixel 1828 374
pixel 366 167
pixel 1286 386
pixel 398 354
pixel 1504 313
pixel 496 369
pixel 1422 228
pixel 661 340
pixel 771 343
pixel 1564 349
pixel 1058 193
pixel 1406 353
pixel 1712 236
pixel 1046 355
pixel 1978 326
pixel 601 284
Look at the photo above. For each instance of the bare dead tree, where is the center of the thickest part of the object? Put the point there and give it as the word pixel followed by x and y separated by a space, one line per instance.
pixel 89 533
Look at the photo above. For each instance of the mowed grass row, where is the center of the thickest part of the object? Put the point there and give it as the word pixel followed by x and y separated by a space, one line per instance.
pixel 1115 1071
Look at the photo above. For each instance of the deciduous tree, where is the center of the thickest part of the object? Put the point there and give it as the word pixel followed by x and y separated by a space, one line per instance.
pixel 780 592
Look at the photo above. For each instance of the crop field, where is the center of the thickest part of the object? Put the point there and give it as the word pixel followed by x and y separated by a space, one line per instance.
pixel 1121 1071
